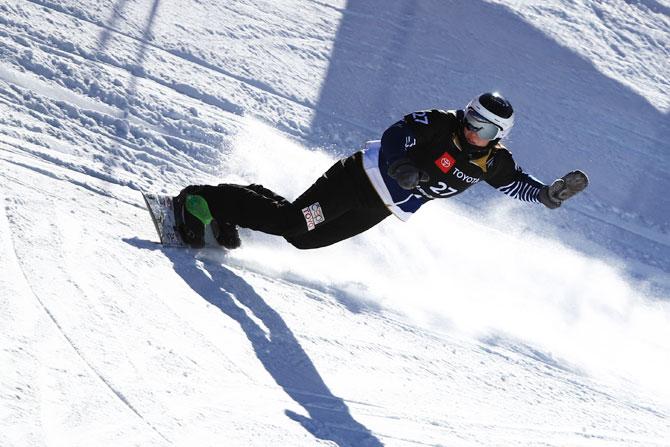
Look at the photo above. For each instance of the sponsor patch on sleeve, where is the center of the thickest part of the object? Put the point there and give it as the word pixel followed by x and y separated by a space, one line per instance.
pixel 313 215
pixel 445 162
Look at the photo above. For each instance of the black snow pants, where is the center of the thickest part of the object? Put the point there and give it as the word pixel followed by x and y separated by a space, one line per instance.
pixel 340 204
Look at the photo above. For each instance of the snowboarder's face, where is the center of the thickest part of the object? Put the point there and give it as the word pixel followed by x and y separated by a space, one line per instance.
pixel 475 139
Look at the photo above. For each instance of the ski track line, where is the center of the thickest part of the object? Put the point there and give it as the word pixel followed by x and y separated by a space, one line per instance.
pixel 89 105
pixel 166 154
pixel 665 242
pixel 102 193
pixel 189 58
pixel 45 158
pixel 82 169
pixel 183 56
pixel 51 316
pixel 657 238
pixel 214 346
pixel 66 178
pixel 115 112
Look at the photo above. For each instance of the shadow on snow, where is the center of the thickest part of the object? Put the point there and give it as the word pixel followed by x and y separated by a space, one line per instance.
pixel 279 350
pixel 391 57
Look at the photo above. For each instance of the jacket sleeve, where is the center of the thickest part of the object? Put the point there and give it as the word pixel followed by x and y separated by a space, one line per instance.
pixel 507 177
pixel 396 140
pixel 403 138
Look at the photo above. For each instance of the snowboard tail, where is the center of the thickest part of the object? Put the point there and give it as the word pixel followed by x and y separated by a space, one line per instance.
pixel 162 215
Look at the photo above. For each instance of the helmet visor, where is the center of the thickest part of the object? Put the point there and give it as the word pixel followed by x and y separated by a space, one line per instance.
pixel 484 128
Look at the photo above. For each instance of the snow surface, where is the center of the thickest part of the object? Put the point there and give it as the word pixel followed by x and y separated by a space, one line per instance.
pixel 480 322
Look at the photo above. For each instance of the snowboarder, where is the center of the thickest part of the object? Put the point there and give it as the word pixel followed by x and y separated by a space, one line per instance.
pixel 426 155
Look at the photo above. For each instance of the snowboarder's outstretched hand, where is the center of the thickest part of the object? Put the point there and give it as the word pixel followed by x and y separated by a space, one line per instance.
pixel 406 174
pixel 562 189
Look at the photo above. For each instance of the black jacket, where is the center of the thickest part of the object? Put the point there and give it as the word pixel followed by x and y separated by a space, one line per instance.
pixel 433 140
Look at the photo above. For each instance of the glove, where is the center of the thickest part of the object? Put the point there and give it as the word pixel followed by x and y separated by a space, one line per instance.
pixel 562 189
pixel 406 174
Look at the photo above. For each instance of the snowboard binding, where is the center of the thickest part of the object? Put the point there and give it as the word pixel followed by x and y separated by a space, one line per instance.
pixel 193 218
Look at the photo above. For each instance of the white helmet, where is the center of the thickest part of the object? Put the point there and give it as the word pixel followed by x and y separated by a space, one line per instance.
pixel 490 115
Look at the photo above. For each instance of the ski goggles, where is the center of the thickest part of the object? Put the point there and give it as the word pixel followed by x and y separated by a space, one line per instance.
pixel 484 128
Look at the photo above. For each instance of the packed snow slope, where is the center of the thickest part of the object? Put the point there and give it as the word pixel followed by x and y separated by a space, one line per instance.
pixel 480 322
